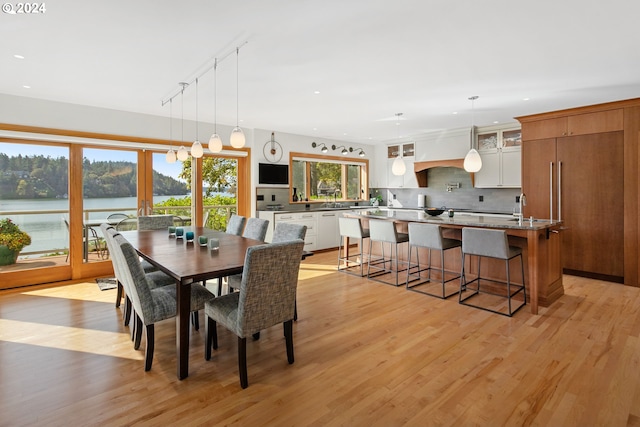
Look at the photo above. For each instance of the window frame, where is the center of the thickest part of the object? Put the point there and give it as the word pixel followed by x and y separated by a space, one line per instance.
pixel 308 158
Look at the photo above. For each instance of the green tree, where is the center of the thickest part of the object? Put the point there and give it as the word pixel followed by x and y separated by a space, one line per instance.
pixel 218 174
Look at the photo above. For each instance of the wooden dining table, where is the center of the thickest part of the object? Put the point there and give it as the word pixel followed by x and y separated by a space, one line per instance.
pixel 188 263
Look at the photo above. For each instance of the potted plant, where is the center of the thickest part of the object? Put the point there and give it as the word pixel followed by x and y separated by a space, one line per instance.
pixel 12 240
pixel 376 200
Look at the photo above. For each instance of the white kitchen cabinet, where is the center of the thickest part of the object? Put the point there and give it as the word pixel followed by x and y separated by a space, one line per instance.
pixel 408 180
pixel 304 218
pixel 328 235
pixel 500 150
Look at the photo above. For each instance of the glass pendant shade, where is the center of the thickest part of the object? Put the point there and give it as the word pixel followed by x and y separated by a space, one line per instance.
pixel 182 154
pixel 237 139
pixel 215 143
pixel 171 156
pixel 472 161
pixel 196 149
pixel 398 168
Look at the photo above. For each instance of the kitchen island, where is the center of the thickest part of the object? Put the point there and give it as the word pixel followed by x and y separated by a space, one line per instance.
pixel 539 240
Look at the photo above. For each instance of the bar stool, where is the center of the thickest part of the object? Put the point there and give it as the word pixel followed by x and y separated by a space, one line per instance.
pixel 490 244
pixel 429 236
pixel 385 232
pixel 351 228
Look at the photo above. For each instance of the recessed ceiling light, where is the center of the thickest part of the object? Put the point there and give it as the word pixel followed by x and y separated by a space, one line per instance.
pixel 317 92
pixel 455 112
pixel 18 56
pixel 495 122
pixel 525 99
pixel 26 86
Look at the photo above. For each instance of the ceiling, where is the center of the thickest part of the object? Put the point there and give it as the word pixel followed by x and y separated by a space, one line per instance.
pixel 368 60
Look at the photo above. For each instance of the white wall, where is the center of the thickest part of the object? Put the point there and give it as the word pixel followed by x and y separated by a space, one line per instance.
pixel 50 114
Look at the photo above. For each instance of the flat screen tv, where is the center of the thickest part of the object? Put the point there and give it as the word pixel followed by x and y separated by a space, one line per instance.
pixel 269 173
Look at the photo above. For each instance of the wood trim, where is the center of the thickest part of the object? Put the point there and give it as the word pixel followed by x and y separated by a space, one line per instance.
pixel 421 168
pixel 76 220
pixel 244 184
pixel 635 102
pixel 631 200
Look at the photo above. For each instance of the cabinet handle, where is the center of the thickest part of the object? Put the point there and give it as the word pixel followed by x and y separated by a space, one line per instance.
pixel 328 214
pixel 286 217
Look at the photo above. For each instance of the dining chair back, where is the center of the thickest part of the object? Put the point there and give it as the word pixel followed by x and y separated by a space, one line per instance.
pixel 256 229
pixel 155 222
pixel 267 297
pixel 286 232
pixel 235 225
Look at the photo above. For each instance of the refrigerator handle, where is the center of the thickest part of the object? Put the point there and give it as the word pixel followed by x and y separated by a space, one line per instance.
pixel 559 191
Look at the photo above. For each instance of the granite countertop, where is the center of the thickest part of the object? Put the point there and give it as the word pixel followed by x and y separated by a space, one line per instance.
pixel 489 221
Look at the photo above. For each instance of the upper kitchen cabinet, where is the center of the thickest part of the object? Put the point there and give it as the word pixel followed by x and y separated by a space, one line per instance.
pixel 578 124
pixel 408 180
pixel 500 150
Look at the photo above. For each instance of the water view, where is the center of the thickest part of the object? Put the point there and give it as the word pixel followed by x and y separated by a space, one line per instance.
pixel 48 231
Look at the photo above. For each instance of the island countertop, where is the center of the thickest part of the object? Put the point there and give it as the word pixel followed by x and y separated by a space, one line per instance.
pixel 539 239
pixel 459 219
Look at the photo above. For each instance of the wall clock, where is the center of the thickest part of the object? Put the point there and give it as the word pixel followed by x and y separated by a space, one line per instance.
pixel 272 150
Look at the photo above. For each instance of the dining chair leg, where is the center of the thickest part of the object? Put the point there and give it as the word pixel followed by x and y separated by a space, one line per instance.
pixel 211 338
pixel 288 334
pixel 195 320
pixel 119 294
pixel 138 333
pixel 295 310
pixel 148 355
pixel 242 362
pixel 127 311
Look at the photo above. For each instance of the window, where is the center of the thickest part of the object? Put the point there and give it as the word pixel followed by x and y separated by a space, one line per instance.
pixel 316 178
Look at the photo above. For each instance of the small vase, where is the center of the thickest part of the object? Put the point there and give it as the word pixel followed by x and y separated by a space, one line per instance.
pixel 7 256
pixel 295 194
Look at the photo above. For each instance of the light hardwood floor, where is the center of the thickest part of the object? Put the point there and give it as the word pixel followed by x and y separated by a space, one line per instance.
pixel 367 354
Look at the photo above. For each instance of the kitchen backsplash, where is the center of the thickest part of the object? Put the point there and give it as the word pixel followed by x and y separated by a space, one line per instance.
pixel 466 197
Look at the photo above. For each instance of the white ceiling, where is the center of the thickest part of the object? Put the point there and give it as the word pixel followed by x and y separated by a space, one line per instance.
pixel 369 59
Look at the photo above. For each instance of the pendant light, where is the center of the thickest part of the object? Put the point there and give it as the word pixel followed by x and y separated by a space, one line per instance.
pixel 472 161
pixel 171 155
pixel 215 142
pixel 237 139
pixel 182 152
pixel 196 147
pixel 398 167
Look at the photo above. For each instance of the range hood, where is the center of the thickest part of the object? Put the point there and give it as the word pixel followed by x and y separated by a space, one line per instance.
pixel 421 169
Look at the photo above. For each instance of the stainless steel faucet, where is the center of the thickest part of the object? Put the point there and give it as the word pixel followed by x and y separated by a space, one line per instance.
pixel 522 201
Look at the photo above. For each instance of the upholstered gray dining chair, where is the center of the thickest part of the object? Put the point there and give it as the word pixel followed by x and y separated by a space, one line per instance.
pixel 256 229
pixel 286 232
pixel 151 304
pixel 158 278
pixel 155 222
pixel 267 297
pixel 235 224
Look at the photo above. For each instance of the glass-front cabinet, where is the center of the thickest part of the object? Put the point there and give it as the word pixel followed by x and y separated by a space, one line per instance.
pixel 500 150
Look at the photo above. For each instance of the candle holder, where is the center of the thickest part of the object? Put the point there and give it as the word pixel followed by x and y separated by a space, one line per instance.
pixel 179 232
pixel 189 235
pixel 203 240
pixel 172 230
pixel 214 244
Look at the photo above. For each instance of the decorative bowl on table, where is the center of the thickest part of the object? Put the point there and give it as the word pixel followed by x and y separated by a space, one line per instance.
pixel 434 211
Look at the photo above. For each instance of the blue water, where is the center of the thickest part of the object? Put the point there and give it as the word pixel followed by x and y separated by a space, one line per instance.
pixel 48 231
